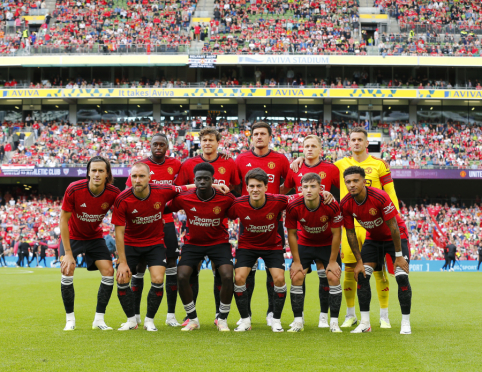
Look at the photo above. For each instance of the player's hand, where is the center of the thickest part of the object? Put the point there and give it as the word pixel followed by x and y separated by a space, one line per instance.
pixel 67 266
pixel 296 164
pixel 225 155
pixel 401 263
pixel 296 268
pixel 359 268
pixel 223 188
pixel 334 268
pixel 327 197
pixel 123 273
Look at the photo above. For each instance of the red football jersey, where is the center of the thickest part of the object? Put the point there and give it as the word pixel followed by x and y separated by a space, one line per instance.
pixel 329 173
pixel 143 218
pixel 372 214
pixel 224 171
pixel 276 165
pixel 87 210
pixel 205 218
pixel 161 174
pixel 315 224
pixel 260 224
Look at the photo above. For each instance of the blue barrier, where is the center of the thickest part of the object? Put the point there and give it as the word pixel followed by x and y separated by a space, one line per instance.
pixel 12 260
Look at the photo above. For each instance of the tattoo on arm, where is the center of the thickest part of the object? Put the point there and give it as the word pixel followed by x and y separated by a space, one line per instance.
pixel 352 240
pixel 395 231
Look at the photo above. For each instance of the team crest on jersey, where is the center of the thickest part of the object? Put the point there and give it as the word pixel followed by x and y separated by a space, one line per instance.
pixel 322 175
pixel 170 170
pixel 271 165
pixel 368 170
pixel 104 206
pixel 157 205
pixel 222 170
pixel 324 219
pixel 270 216
pixel 373 211
pixel 217 210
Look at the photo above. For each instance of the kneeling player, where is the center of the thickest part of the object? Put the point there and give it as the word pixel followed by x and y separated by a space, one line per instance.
pixel 259 213
pixel 85 204
pixel 386 234
pixel 318 240
pixel 208 236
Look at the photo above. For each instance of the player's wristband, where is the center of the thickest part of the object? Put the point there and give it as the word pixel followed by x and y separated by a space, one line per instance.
pixel 398 254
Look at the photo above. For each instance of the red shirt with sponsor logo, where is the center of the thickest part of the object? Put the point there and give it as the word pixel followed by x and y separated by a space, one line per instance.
pixel 315 225
pixel 143 218
pixel 276 165
pixel 161 174
pixel 329 173
pixel 372 214
pixel 260 224
pixel 205 218
pixel 88 210
pixel 224 171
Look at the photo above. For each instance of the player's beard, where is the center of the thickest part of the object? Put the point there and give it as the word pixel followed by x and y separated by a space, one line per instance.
pixel 140 190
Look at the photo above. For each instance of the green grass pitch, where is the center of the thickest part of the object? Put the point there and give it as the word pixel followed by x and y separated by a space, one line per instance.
pixel 446 325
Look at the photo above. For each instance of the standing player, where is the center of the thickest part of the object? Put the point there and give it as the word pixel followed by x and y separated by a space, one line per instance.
pixel 378 175
pixel 317 241
pixel 276 166
pixel 260 214
pixel 163 171
pixel 224 174
pixel 386 234
pixel 208 236
pixel 84 206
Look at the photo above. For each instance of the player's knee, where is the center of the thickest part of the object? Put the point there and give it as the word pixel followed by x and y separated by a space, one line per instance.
pixel 298 279
pixel 279 280
pixel 332 278
pixel 157 278
pixel 183 276
pixel 109 271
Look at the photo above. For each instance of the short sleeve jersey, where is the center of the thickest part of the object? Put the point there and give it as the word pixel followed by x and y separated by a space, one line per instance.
pixel 260 224
pixel 161 174
pixel 205 218
pixel 143 218
pixel 329 173
pixel 372 214
pixel 315 224
pixel 88 210
pixel 276 165
pixel 224 171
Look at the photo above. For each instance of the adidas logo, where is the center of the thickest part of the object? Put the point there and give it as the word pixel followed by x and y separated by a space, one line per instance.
pixel 406 257
pixel 300 175
pixel 164 260
pixel 302 220
pixel 354 215
pixel 247 218
pixel 178 250
pixel 386 289
pixel 152 172
pixel 84 205
pixel 283 265
pixel 134 211
pixel 193 209
pixel 248 165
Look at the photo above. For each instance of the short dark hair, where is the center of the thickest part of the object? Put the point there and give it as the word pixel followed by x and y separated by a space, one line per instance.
pixel 358 130
pixel 204 167
pixel 160 135
pixel 308 177
pixel 261 124
pixel 258 174
pixel 210 131
pixel 99 159
pixel 354 170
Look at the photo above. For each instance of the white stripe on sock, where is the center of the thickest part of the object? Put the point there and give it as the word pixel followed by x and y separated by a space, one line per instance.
pixel 335 289
pixel 67 280
pixel 322 273
pixel 107 280
pixel 280 289
pixel 296 289
pixel 171 271
pixel 239 288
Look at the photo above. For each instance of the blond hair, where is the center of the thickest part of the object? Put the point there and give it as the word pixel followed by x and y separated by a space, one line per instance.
pixel 316 138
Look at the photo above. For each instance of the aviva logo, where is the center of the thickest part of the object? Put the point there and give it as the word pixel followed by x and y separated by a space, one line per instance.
pixel 463 94
pixel 285 92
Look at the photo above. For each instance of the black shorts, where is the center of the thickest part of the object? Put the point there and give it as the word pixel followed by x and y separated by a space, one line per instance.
pixel 154 255
pixel 95 250
pixel 308 255
pixel 170 240
pixel 375 251
pixel 273 259
pixel 219 254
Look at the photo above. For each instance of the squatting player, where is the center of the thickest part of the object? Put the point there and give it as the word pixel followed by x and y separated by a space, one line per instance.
pixel 85 204
pixel 378 175
pixel 386 234
pixel 318 240
pixel 208 236
pixel 224 174
pixel 163 171
pixel 276 166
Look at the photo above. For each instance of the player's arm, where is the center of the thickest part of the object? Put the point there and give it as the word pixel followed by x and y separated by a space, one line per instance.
pixel 335 250
pixel 296 164
pixel 67 266
pixel 293 242
pixel 353 242
pixel 397 242
pixel 387 183
pixel 284 189
pixel 123 271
